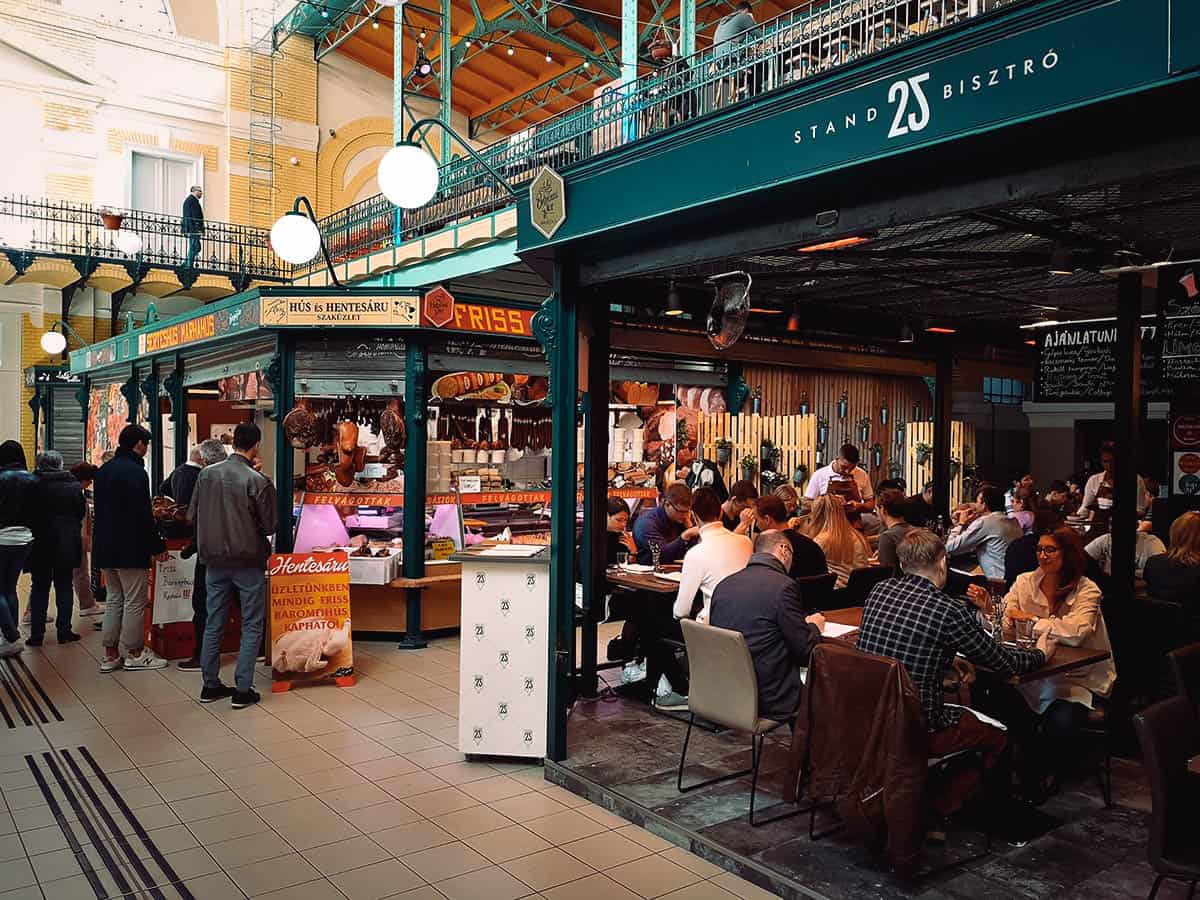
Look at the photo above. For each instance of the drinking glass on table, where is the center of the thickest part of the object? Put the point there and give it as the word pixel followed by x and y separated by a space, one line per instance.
pixel 622 558
pixel 656 556
pixel 1024 633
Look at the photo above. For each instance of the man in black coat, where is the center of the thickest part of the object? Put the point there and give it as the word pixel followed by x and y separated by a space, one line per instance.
pixel 192 223
pixel 57 546
pixel 763 603
pixel 126 543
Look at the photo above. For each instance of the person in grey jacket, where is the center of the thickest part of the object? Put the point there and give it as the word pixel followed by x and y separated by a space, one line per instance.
pixel 233 511
pixel 988 536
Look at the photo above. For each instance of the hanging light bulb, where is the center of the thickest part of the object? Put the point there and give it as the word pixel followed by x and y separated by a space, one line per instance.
pixel 586 64
pixel 324 13
pixel 408 176
pixel 423 37
pixel 549 58
pixel 54 342
pixel 375 24
pixel 295 238
pixel 129 243
pixel 510 51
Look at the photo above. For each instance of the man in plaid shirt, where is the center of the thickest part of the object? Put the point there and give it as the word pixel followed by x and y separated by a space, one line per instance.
pixel 911 620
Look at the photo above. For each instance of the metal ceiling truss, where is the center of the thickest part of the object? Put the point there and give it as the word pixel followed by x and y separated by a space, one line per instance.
pixel 346 27
pixel 525 19
pixel 536 98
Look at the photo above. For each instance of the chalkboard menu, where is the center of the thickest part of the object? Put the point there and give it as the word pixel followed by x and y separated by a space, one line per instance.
pixel 1181 349
pixel 1077 362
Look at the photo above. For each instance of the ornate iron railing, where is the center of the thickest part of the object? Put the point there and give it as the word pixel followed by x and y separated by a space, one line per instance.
pixel 65 229
pixel 815 38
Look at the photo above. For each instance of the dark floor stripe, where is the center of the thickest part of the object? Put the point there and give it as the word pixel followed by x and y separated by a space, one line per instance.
pixel 8 720
pixel 34 706
pixel 72 841
pixel 155 853
pixel 37 686
pixel 16 700
pixel 114 868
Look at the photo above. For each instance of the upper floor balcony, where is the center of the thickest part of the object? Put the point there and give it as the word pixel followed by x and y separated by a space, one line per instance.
pixel 815 39
pixel 64 244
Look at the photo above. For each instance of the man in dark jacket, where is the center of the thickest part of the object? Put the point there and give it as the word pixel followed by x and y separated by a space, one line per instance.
pixel 763 603
pixel 57 546
pixel 192 223
pixel 17 487
pixel 670 525
pixel 126 543
pixel 233 509
pixel 808 558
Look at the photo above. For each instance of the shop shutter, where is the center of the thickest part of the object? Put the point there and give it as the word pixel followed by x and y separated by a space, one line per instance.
pixel 67 432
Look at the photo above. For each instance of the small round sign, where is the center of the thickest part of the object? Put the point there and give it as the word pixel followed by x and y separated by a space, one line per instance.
pixel 1189 463
pixel 1189 484
pixel 1186 431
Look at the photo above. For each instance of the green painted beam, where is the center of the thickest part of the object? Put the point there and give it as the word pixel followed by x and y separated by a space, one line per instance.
pixel 687 27
pixel 445 81
pixel 535 98
pixel 485 258
pixel 629 40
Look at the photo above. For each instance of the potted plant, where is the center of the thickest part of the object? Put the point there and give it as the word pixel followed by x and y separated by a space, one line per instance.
pixel 822 431
pixel 843 405
pixel 923 451
pixel 766 452
pixel 864 430
pixel 804 405
pixel 112 220
pixel 800 475
pixel 883 413
pixel 661 47
pixel 749 467
pixel 876 455
pixel 955 468
pixel 724 451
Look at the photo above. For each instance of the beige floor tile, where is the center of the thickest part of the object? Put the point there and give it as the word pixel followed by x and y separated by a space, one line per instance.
pixel 207 806
pixel 493 788
pixel 692 862
pixel 190 786
pixel 440 802
pixel 564 827
pixel 446 861
pixel 594 887
pixel 354 797
pixel 528 806
pixel 508 843
pixel 283 872
pixel 11 847
pixel 192 863
pixel 173 771
pixel 255 773
pixel 377 880
pixel 563 796
pixel 638 835
pixel 315 761
pixel 385 767
pixel 465 823
pixel 172 838
pixel 245 850
pixel 605 850
pixel 275 791
pixel 33 892
pixel 307 823
pixel 54 865
pixel 412 784
pixel 410 742
pixel 361 753
pixel 484 884
pixel 402 840
pixel 460 773
pixel 332 779
pixel 370 819
pixel 310 890
pixel 548 868
pixel 702 890
pixel 426 892
pixel 434 757
pixel 338 740
pixel 602 816
pixel 652 876
pixel 345 855
pixel 740 887
pixel 231 825
pixel 75 888
pixel 43 840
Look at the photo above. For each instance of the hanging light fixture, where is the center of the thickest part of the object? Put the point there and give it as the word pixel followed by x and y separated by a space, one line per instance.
pixel 793 322
pixel 295 237
pixel 674 303
pixel 510 51
pixel 906 334
pixel 129 243
pixel 1061 262
pixel 56 341
pixel 549 58
pixel 408 176
pixel 422 68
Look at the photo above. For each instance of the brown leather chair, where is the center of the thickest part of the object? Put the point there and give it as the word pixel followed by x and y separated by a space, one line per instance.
pixel 816 592
pixel 1170 734
pixel 1185 665
pixel 859 585
pixel 724 691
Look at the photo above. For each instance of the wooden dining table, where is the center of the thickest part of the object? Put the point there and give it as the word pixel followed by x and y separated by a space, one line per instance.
pixel 1065 659
pixel 643 581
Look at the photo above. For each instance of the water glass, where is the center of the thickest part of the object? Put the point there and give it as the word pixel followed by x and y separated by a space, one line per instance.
pixel 1024 629
pixel 622 558
pixel 656 557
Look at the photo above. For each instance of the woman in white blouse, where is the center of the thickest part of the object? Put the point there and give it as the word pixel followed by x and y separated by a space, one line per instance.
pixel 1066 603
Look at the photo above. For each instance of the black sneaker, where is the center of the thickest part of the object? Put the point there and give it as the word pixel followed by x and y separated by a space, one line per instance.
pixel 220 692
pixel 69 638
pixel 189 665
pixel 33 641
pixel 242 700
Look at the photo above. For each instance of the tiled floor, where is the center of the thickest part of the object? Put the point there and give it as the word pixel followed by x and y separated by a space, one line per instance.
pixel 322 792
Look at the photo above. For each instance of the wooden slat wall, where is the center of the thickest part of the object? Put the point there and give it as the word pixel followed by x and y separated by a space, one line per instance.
pixel 783 389
pixel 962 446
pixel 795 437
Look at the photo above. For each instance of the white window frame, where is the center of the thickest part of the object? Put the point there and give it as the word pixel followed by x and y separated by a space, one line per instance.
pixel 196 160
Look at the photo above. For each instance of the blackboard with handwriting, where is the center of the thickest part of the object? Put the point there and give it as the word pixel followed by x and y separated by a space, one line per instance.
pixel 1077 362
pixel 1180 352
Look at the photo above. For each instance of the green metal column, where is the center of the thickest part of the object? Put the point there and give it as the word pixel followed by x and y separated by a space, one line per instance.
pixel 629 40
pixel 398 76
pixel 149 387
pixel 687 27
pixel 415 420
pixel 177 396
pixel 594 321
pixel 445 75
pixel 554 324
pixel 284 385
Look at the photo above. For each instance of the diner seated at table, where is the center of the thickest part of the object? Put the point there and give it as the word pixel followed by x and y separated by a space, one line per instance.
pixel 920 507
pixel 1059 497
pixel 1047 715
pixel 1147 545
pixel 669 525
pixel 1175 575
pixel 843 477
pixel 909 618
pixel 763 603
pixel 1021 512
pixel 1024 483
pixel 1098 492
pixel 737 513
pixel 720 553
pixel 1021 555
pixel 791 499
pixel 893 511
pixel 617 538
pixel 807 558
pixel 983 531
pixel 845 548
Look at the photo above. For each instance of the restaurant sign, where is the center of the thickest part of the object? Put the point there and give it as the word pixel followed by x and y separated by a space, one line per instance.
pixel 187 332
pixel 442 310
pixel 343 310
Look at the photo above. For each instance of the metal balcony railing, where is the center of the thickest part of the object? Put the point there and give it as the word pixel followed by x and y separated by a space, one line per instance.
pixel 817 37
pixel 77 230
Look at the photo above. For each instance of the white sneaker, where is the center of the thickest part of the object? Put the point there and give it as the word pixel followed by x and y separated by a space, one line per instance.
pixel 147 660
pixel 633 673
pixel 9 648
pixel 111 665
pixel 96 609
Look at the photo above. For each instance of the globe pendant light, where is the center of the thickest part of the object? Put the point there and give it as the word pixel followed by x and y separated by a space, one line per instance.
pixel 408 176
pixel 129 243
pixel 295 238
pixel 54 342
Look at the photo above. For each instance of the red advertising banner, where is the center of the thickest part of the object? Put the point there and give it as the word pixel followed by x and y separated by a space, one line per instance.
pixel 310 619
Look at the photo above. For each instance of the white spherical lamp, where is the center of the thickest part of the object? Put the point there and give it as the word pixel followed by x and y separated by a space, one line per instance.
pixel 295 238
pixel 129 243
pixel 408 176
pixel 54 342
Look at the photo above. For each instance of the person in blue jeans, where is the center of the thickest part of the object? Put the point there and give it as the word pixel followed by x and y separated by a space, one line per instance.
pixel 17 500
pixel 233 511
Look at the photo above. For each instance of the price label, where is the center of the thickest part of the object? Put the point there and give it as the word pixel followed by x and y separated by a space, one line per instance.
pixel 442 548
pixel 470 484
